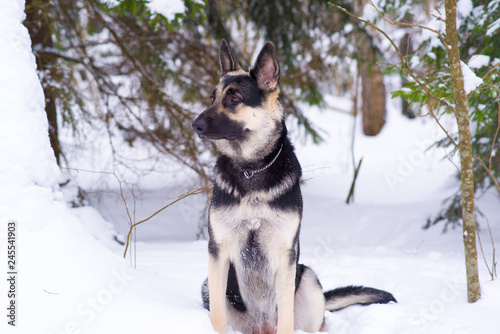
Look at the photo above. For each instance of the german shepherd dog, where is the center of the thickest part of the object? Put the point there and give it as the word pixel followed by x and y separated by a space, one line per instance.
pixel 255 283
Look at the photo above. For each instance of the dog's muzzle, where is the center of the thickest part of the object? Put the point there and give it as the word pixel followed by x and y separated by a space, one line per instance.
pixel 216 126
pixel 200 126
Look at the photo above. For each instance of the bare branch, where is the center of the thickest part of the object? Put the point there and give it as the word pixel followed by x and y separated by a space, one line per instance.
pixel 53 52
pixel 496 133
pixel 431 112
pixel 494 261
pixel 441 37
pixel 371 25
pixel 439 18
pixel 493 270
pixel 181 197
pixel 449 159
pixel 488 171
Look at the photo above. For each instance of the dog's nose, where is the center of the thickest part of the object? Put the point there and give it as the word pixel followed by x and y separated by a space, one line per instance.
pixel 199 125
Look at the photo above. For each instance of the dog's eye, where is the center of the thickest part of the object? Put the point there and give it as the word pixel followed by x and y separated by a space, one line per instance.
pixel 235 99
pixel 212 98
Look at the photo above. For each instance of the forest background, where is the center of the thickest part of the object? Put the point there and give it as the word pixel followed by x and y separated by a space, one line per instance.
pixel 140 76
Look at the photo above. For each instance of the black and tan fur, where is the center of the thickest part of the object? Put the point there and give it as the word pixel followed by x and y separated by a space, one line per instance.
pixel 255 283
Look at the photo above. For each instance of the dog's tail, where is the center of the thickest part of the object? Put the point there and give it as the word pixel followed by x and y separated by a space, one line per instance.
pixel 355 295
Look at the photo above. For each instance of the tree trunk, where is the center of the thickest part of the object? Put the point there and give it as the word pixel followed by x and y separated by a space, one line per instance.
pixel 372 83
pixel 372 88
pixel 466 174
pixel 40 33
pixel 406 50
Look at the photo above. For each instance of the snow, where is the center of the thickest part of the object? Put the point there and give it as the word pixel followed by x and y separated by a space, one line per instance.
pixel 471 81
pixel 369 12
pixel 167 8
pixel 464 8
pixel 73 279
pixel 493 28
pixel 478 61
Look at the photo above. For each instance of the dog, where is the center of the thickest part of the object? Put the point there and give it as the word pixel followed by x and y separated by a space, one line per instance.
pixel 255 283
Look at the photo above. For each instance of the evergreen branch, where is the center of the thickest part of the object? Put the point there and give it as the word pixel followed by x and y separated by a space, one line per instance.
pixel 422 84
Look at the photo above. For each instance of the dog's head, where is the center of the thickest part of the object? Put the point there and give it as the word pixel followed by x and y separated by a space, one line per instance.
pixel 245 117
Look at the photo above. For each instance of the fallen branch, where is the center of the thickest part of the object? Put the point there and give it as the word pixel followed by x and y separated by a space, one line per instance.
pixel 351 191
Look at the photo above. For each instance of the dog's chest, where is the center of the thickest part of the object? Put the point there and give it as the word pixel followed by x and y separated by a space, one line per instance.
pixel 253 222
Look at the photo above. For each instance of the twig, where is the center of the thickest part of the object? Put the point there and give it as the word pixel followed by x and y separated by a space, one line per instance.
pixel 452 153
pixel 439 18
pixel 493 270
pixel 490 70
pixel 88 171
pixel 488 171
pixel 494 262
pixel 498 129
pixel 135 233
pixel 442 128
pixel 124 200
pixel 441 37
pixel 181 197
pixel 408 48
pixel 371 25
pixel 482 252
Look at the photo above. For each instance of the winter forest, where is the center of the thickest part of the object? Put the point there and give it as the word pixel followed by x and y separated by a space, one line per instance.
pixel 393 108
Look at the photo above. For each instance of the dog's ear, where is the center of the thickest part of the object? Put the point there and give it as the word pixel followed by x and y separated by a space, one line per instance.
pixel 266 69
pixel 227 62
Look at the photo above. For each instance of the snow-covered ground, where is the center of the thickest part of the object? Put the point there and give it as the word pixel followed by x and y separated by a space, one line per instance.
pixel 72 277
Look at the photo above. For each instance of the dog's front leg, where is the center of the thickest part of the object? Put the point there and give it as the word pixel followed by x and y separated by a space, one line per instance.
pixel 285 293
pixel 218 268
